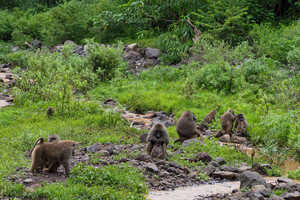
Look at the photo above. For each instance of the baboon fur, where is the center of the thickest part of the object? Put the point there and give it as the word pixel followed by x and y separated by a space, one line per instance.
pixel 186 127
pixel 53 138
pixel 241 125
pixel 158 137
pixel 227 120
pixel 49 111
pixel 54 154
pixel 210 116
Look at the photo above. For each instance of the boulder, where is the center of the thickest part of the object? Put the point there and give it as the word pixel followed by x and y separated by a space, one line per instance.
pixel 203 157
pixel 225 175
pixel 291 196
pixel 225 138
pixel 152 53
pixel 132 55
pixel 249 179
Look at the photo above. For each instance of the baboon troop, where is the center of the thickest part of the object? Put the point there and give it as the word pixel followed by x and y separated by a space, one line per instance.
pixel 158 139
pixel 55 152
pixel 52 155
pixel 186 127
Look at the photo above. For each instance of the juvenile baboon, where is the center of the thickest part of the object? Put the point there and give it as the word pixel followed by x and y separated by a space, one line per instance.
pixel 54 154
pixel 49 111
pixel 241 125
pixel 37 142
pixel 186 127
pixel 158 137
pixel 53 138
pixel 210 116
pixel 227 120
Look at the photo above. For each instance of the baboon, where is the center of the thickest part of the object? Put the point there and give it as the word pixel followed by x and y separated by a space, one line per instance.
pixel 210 116
pixel 54 154
pixel 37 142
pixel 241 125
pixel 53 138
pixel 158 137
pixel 227 120
pixel 186 127
pixel 49 111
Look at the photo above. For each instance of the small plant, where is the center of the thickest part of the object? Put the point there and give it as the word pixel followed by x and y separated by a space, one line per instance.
pixel 294 174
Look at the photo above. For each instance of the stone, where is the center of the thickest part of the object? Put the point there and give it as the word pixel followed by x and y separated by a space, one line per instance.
pixel 151 167
pixel 257 188
pixel 143 157
pixel 104 153
pixel 28 180
pixel 15 49
pixel 220 161
pixel 214 163
pixel 238 140
pixel 284 180
pixel 132 47
pixel 225 138
pixel 152 53
pixel 291 196
pixel 36 44
pixel 230 169
pixel 94 148
pixel 275 197
pixel 203 157
pixel 132 55
pixel 225 175
pixel 249 179
pixel 209 169
pixel 189 142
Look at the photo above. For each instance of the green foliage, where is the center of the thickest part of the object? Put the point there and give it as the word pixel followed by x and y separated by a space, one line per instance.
pixel 226 20
pixel 279 192
pixel 105 60
pixel 6 24
pixel 275 171
pixel 294 174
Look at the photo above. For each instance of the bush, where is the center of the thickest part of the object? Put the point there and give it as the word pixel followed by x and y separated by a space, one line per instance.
pixel 294 174
pixel 105 60
pixel 293 58
pixel 7 21
pixel 220 76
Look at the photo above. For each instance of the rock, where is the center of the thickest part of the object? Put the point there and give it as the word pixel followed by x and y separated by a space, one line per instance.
pixel 291 196
pixel 149 62
pixel 189 142
pixel 249 179
pixel 104 153
pixel 225 138
pixel 36 44
pixel 110 102
pixel 244 168
pixel 261 168
pixel 143 157
pixel 255 196
pixel 220 161
pixel 94 148
pixel 275 197
pixel 230 169
pixel 132 55
pixel 238 140
pixel 143 137
pixel 209 169
pixel 27 181
pixel 284 180
pixel 132 47
pixel 151 167
pixel 152 53
pixel 258 188
pixel 203 157
pixel 15 49
pixel 214 163
pixel 225 175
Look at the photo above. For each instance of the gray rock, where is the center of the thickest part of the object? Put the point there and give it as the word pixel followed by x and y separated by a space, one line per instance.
pixel 203 157
pixel 27 181
pixel 143 157
pixel 284 180
pixel 256 196
pixel 230 169
pixel 189 142
pixel 209 169
pixel 220 161
pixel 132 55
pixel 152 53
pixel 249 179
pixel 291 196
pixel 238 140
pixel 36 44
pixel 15 49
pixel 151 167
pixel 104 153
pixel 258 188
pixel 132 47
pixel 214 163
pixel 94 148
pixel 225 175
pixel 225 138
pixel 275 197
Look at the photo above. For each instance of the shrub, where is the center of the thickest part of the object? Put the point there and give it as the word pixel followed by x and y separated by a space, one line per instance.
pixel 220 76
pixel 294 174
pixel 293 58
pixel 7 21
pixel 104 60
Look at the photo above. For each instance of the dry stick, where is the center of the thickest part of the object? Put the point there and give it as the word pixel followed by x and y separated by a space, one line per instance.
pixel 196 31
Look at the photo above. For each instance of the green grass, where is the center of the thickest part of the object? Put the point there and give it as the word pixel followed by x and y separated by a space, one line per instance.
pixel 294 174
